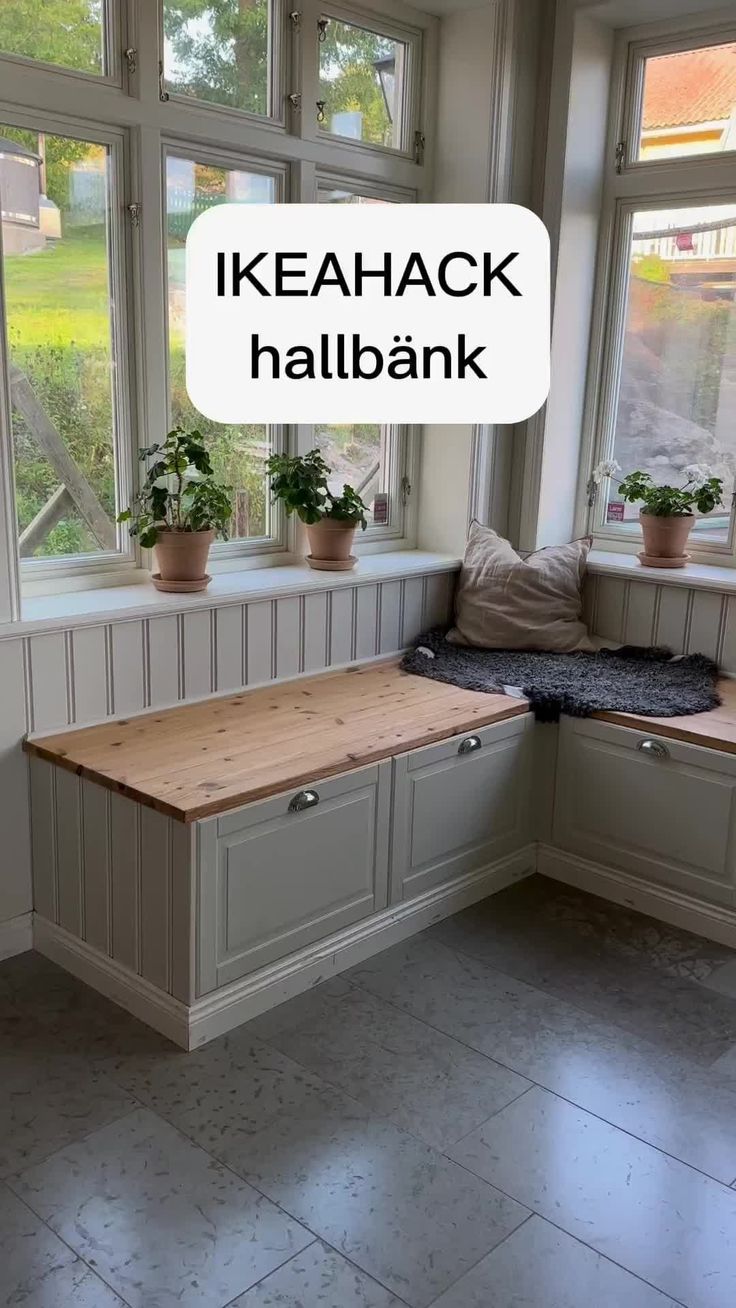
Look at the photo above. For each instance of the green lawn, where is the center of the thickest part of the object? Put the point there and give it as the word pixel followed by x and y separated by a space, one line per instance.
pixel 60 295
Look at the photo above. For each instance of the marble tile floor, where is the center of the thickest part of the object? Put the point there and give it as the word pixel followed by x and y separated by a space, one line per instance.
pixel 530 1105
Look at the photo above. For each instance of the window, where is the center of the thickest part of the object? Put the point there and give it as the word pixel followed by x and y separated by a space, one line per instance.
pixel 364 84
pixel 689 103
pixel 219 52
pixel 56 194
pixel 238 454
pixel 108 152
pixel 68 33
pixel 664 372
pixel 374 460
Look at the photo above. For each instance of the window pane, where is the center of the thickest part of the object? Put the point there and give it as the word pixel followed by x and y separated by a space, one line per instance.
pixel 677 401
pixel 218 50
pixel 361 78
pixel 54 194
pixel 689 103
pixel 69 33
pixel 238 453
pixel 341 195
pixel 358 454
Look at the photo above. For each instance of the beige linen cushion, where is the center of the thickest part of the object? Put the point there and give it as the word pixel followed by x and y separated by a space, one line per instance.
pixel 506 602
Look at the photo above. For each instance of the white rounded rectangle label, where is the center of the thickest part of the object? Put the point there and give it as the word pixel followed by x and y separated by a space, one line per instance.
pixel 367 313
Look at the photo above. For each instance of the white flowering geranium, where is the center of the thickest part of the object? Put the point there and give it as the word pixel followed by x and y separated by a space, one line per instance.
pixel 701 490
pixel 606 468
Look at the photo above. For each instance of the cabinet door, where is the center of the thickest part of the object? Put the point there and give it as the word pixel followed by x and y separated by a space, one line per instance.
pixel 649 805
pixel 460 805
pixel 275 876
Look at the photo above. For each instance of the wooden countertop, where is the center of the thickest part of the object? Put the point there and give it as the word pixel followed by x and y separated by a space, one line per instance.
pixel 201 759
pixel 715 729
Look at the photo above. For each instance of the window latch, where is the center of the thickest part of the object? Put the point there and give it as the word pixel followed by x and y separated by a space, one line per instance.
pixel 405 490
pixel 322 26
pixel 592 489
pixel 163 94
pixel 131 58
pixel 419 144
pixel 134 213
pixel 295 18
pixel 321 106
pixel 620 156
pixel 295 100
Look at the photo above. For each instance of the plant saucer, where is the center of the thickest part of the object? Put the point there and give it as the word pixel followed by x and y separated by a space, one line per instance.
pixel 181 587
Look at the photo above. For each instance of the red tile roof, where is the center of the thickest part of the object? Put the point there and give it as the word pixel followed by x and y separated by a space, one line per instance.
pixel 694 86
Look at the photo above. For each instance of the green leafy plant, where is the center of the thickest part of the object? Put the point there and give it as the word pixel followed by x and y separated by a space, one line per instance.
pixel 700 490
pixel 300 482
pixel 180 492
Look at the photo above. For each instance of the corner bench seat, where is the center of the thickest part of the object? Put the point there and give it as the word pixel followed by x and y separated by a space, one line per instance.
pixel 181 869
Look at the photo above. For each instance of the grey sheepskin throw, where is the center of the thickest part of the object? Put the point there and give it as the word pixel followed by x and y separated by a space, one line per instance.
pixel 631 679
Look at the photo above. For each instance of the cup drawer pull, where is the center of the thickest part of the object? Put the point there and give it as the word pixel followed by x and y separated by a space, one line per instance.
pixel 305 799
pixel 469 745
pixel 653 747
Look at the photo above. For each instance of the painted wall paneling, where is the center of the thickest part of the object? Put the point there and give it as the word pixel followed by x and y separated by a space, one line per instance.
pixel 91 672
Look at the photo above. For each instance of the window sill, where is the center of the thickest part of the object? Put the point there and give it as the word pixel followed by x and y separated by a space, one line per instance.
pixel 141 600
pixel 696 576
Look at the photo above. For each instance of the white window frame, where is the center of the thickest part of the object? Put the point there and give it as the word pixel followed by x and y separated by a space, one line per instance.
pixel 630 185
pixel 36 572
pixel 406 34
pixel 126 107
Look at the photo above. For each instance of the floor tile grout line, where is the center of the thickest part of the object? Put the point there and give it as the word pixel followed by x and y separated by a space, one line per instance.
pixel 534 1212
pixel 539 1085
pixel 247 1289
pixel 68 1144
pixel 556 996
pixel 77 1256
pixel 453 1144
pixel 530 1214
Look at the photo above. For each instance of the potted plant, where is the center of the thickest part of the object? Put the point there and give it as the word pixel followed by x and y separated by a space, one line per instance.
pixel 179 510
pixel 300 482
pixel 666 515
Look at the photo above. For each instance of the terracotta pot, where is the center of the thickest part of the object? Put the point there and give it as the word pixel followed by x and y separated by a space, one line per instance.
pixel 665 539
pixel 331 543
pixel 182 555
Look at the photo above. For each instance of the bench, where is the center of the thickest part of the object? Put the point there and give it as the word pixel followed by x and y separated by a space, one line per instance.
pixel 201 864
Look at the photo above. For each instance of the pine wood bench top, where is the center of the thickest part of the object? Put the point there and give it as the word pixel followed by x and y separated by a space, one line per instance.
pixel 715 729
pixel 203 759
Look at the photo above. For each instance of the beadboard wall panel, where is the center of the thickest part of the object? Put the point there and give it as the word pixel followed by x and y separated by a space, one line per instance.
pixel 133 912
pixel 88 673
pixel 688 621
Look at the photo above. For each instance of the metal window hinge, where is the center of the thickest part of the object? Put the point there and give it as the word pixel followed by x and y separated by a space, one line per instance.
pixel 295 18
pixel 134 213
pixel 131 58
pixel 419 144
pixel 163 94
pixel 295 100
pixel 405 490
pixel 592 489
pixel 620 156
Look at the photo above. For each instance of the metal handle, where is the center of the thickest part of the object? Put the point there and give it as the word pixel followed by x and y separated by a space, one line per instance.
pixel 653 747
pixel 305 799
pixel 469 745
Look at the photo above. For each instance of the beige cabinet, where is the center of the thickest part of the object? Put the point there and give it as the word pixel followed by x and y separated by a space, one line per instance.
pixel 460 805
pixel 277 875
pixel 653 807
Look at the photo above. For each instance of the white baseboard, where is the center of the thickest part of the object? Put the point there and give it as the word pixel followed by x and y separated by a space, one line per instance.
pixel 710 920
pixel 16 935
pixel 138 996
pixel 241 1000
